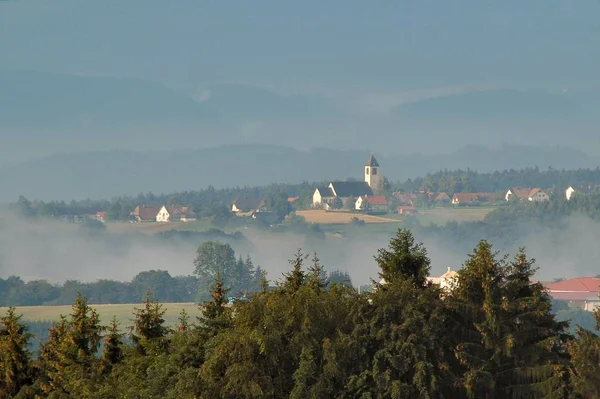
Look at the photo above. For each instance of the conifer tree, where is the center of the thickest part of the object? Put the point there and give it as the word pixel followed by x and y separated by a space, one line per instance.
pixel 183 325
pixel 149 324
pixel 297 277
pixel 113 346
pixel 404 259
pixel 585 361
pixel 85 332
pixel 15 370
pixel 216 314
pixel 317 278
pixel 508 343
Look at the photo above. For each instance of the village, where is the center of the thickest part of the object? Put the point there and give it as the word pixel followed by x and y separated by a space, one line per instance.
pixel 366 196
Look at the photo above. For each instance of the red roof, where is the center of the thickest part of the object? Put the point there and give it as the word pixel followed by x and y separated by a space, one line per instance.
pixel 376 199
pixel 473 197
pixel 291 200
pixel 584 284
pixel 574 296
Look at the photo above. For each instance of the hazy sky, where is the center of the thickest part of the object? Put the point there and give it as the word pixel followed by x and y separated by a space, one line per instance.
pixel 309 44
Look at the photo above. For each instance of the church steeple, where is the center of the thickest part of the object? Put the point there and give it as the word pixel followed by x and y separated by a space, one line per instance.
pixel 372 175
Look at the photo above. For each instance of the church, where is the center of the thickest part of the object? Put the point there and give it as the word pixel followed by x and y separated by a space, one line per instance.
pixel 325 197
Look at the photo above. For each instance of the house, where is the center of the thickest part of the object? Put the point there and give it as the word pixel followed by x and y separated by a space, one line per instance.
pixel 325 196
pixel 248 205
pixel 342 190
pixel 579 189
pixel 407 210
pixel 101 216
pixel 175 213
pixel 473 198
pixel 580 292
pixel 442 198
pixel 291 200
pixel 405 198
pixel 371 203
pixel 529 194
pixel 146 213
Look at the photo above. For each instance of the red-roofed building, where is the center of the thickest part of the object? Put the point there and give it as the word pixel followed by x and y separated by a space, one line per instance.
pixel 581 292
pixel 407 210
pixel 473 198
pixel 371 203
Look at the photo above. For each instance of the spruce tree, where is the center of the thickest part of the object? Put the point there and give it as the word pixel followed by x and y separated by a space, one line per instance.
pixel 297 277
pixel 183 325
pixel 85 331
pixel 15 370
pixel 216 315
pixel 404 259
pixel 149 324
pixel 317 277
pixel 113 346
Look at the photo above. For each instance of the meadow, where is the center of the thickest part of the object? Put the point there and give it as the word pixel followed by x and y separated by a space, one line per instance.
pixel 441 216
pixel 123 312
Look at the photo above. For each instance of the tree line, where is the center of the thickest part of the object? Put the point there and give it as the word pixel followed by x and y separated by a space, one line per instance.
pixel 455 181
pixel 490 335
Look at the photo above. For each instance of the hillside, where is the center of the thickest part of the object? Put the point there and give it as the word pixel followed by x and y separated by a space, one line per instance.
pixel 104 174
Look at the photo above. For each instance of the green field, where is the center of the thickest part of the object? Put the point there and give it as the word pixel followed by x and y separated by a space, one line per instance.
pixel 123 312
pixel 441 216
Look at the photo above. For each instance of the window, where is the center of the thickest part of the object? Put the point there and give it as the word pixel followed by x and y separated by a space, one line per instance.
pixel 374 171
pixel 367 171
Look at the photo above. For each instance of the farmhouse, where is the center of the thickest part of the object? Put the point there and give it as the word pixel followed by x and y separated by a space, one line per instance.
pixel 175 213
pixel 442 198
pixel 407 210
pixel 146 213
pixel 371 203
pixel 473 198
pixel 529 194
pixel 579 292
pixel 571 190
pixel 326 196
pixel 248 205
pixel 407 199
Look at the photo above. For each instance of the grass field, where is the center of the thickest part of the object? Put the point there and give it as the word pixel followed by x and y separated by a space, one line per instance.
pixel 152 228
pixel 324 217
pixel 123 312
pixel 441 216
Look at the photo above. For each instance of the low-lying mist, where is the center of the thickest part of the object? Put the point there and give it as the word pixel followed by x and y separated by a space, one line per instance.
pixel 59 251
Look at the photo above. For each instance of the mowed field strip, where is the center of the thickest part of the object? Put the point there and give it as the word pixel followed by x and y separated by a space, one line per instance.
pixel 123 312
pixel 335 217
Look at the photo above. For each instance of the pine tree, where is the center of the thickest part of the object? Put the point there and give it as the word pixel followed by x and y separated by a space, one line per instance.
pixel 507 341
pixel 113 346
pixel 404 260
pixel 15 370
pixel 52 357
pixel 296 278
pixel 85 332
pixel 216 314
pixel 149 324
pixel 183 325
pixel 317 278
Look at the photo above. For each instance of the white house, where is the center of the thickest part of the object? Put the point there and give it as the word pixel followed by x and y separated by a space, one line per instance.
pixel 371 203
pixel 569 192
pixel 529 194
pixel 247 205
pixel 175 213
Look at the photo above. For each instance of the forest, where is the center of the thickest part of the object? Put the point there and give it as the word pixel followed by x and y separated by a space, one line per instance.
pixel 490 335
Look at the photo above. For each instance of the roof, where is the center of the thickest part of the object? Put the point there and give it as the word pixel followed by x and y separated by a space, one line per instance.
pixel 291 200
pixel 325 192
pixel 246 204
pixel 449 274
pixel 583 284
pixel 180 211
pixel 405 198
pixel 372 161
pixel 407 208
pixel 574 296
pixel 525 193
pixel 473 197
pixel 146 212
pixel 441 197
pixel 351 188
pixel 376 199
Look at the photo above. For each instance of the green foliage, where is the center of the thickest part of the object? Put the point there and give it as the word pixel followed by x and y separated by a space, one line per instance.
pixel 149 324
pixel 15 358
pixel 404 260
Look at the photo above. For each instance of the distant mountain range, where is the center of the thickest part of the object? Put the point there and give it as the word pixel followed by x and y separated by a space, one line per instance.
pixel 105 174
pixel 45 113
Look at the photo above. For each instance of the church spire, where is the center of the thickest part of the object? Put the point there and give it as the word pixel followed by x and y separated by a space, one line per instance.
pixel 372 161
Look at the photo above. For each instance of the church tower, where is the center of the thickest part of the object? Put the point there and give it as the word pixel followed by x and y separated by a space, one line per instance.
pixel 373 174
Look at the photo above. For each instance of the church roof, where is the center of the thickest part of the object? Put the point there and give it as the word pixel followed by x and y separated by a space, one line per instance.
pixel 325 192
pixel 372 161
pixel 351 188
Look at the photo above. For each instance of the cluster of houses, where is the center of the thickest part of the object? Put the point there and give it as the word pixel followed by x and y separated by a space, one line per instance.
pixel 157 213
pixel 580 292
